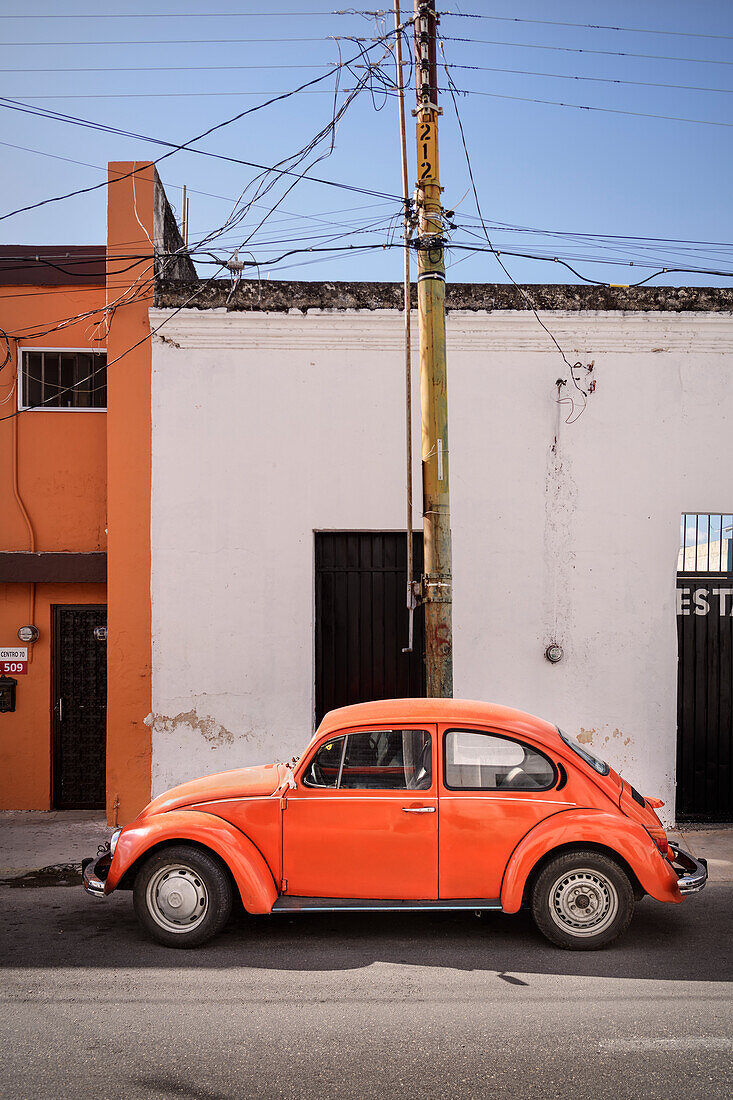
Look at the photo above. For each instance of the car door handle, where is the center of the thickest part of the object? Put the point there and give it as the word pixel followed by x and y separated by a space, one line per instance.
pixel 418 809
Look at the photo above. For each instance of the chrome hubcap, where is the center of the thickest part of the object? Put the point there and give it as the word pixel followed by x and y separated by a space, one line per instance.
pixel 583 902
pixel 177 898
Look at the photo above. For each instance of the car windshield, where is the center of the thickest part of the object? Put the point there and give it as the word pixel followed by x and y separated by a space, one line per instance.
pixel 590 758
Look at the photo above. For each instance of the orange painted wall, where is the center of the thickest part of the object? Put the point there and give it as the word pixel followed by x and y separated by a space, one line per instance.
pixel 82 474
pixel 130 202
pixel 62 473
pixel 62 483
pixel 26 735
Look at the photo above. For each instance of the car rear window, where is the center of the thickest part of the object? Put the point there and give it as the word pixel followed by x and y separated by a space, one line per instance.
pixel 478 761
pixel 585 753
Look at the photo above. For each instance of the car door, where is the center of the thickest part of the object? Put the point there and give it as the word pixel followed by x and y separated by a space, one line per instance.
pixel 494 789
pixel 362 821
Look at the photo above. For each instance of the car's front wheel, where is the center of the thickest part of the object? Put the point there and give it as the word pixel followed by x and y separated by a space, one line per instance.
pixel 182 896
pixel 582 900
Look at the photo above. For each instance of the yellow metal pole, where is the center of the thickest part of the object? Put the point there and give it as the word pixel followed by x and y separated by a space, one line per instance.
pixel 437 580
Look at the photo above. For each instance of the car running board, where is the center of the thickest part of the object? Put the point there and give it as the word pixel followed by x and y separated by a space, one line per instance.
pixel 294 904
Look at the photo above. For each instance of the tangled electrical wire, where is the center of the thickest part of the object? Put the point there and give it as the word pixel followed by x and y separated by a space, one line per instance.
pixel 6 342
pixel 369 76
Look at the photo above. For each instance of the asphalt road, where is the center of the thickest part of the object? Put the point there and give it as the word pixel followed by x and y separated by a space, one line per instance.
pixel 449 1006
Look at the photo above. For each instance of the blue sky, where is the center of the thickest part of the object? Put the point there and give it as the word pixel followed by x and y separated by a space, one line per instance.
pixel 538 166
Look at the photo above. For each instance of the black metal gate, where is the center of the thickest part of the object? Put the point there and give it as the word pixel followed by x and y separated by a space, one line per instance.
pixel 705 670
pixel 362 619
pixel 79 706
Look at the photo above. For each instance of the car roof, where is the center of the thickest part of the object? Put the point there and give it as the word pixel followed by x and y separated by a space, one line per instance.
pixel 402 711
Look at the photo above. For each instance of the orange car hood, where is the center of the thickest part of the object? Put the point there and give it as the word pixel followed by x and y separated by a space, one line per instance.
pixel 242 783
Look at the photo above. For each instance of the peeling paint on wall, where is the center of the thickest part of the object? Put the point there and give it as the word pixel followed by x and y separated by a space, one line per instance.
pixel 211 730
pixel 166 340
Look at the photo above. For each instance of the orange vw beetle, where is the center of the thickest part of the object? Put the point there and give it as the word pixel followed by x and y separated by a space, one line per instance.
pixel 404 804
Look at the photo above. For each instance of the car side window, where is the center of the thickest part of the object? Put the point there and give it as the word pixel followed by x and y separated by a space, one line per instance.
pixel 324 768
pixel 389 760
pixel 486 762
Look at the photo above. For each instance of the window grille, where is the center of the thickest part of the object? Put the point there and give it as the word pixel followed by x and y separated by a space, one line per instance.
pixel 63 379
pixel 706 542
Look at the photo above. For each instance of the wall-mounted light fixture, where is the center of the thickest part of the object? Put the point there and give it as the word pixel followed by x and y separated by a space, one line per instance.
pixel 28 634
pixel 554 653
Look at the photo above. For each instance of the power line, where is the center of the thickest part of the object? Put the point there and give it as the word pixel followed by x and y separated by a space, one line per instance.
pixel 319 216
pixel 604 236
pixel 111 362
pixel 58 116
pixel 587 107
pixel 495 225
pixel 372 74
pixel 558 259
pixel 190 15
pixel 596 79
pixel 329 67
pixel 576 49
pixel 584 26
pixel 169 68
pixel 526 296
pixel 636 241
pixel 211 258
pixel 200 41
pixel 285 166
pixel 174 95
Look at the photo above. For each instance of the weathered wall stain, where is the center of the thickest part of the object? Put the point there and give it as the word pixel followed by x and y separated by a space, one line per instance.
pixel 211 730
pixel 166 340
pixel 561 494
pixel 585 737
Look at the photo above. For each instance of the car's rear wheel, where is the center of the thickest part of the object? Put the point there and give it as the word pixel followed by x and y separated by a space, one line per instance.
pixel 182 896
pixel 582 900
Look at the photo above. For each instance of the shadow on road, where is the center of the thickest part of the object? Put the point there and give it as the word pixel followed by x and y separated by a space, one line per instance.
pixel 63 927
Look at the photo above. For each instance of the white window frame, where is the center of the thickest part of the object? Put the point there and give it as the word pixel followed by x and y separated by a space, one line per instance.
pixel 53 351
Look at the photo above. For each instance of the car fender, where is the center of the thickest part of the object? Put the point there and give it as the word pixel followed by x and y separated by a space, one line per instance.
pixel 579 826
pixel 245 861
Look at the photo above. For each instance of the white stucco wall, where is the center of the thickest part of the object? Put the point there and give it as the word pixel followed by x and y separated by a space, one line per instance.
pixel 267 427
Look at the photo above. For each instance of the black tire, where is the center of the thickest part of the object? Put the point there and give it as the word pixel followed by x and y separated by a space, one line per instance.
pixel 182 896
pixel 582 900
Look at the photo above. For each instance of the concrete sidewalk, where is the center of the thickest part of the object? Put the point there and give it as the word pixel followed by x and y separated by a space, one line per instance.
pixel 46 849
pixel 713 843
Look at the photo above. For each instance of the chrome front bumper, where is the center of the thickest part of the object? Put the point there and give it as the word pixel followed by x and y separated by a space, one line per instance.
pixel 692 873
pixel 94 871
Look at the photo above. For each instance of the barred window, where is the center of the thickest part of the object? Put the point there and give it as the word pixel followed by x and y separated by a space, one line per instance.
pixel 706 543
pixel 63 379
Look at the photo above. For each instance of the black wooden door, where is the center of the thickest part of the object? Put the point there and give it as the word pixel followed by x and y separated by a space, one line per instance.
pixel 705 715
pixel 362 620
pixel 79 706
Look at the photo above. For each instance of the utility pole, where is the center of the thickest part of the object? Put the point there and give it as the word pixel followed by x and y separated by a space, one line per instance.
pixel 437 591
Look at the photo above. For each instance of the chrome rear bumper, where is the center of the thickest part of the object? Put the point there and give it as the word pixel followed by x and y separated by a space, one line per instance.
pixel 692 873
